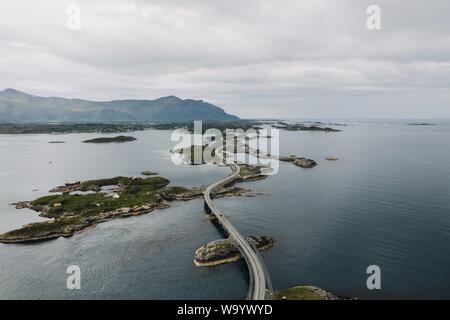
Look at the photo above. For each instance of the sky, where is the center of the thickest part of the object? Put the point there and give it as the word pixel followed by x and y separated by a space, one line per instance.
pixel 256 59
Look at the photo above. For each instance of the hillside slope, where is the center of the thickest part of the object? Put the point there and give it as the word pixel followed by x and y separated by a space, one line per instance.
pixel 16 106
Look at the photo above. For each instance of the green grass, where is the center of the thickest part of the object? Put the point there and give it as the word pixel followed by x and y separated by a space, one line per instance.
pixel 85 207
pixel 135 192
pixel 156 182
pixel 175 190
pixel 297 293
pixel 42 228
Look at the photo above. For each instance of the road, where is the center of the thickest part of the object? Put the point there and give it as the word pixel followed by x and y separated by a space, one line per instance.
pixel 257 271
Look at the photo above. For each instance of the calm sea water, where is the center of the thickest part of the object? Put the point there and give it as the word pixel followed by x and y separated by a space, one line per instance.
pixel 386 201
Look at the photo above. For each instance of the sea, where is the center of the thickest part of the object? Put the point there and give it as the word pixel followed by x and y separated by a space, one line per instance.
pixel 384 202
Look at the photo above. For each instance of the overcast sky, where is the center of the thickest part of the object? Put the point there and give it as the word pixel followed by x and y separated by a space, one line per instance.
pixel 280 58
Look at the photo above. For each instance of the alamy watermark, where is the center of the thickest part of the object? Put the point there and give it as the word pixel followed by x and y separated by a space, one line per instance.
pixel 73 21
pixel 374 280
pixel 374 19
pixel 256 147
pixel 74 279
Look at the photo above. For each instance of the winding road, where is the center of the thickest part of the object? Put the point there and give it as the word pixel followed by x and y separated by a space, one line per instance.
pixel 259 277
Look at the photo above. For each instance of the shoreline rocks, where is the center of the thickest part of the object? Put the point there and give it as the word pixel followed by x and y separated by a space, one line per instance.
pixel 304 163
pixel 68 225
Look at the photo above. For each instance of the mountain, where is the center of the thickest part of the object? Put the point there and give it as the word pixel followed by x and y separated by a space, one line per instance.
pixel 17 106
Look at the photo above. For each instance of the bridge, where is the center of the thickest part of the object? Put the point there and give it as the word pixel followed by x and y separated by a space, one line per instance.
pixel 260 286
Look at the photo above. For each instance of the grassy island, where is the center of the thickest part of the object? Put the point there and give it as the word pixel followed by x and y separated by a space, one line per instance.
pixel 72 212
pixel 304 293
pixel 81 205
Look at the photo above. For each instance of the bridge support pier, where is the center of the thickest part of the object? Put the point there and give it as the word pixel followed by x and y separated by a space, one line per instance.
pixel 207 208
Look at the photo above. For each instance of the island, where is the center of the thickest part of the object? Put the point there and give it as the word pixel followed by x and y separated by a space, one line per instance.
pixel 188 154
pixel 81 205
pixel 299 161
pixel 224 251
pixel 305 293
pixel 64 128
pixel 302 127
pixel 149 173
pixel 119 139
pixel 124 127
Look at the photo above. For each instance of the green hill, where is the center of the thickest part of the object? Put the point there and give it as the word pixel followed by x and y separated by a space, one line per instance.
pixel 16 106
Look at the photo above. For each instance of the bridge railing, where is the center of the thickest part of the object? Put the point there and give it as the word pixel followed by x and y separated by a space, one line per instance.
pixel 225 224
pixel 269 286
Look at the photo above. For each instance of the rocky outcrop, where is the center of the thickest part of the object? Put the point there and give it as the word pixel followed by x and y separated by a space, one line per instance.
pixel 304 163
pixel 69 187
pixel 250 173
pixel 149 173
pixel 224 251
pixel 303 127
pixel 299 161
pixel 195 154
pixel 111 139
pixel 186 194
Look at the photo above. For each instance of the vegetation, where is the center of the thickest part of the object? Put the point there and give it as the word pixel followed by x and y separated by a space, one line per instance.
pixel 16 106
pixel 47 230
pixel 76 212
pixel 46 128
pixel 232 124
pixel 302 293
pixel 303 127
pixel 67 127
pixel 133 192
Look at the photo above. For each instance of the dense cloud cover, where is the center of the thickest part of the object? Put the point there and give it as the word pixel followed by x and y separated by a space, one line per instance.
pixel 284 58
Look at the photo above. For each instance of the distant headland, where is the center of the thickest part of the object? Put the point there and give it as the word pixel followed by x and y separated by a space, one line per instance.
pixel 19 107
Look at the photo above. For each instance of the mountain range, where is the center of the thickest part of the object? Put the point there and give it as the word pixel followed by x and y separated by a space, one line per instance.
pixel 17 106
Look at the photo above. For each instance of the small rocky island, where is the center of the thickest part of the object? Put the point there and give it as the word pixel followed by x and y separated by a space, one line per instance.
pixel 189 153
pixel 149 173
pixel 224 251
pixel 299 161
pixel 303 127
pixel 111 139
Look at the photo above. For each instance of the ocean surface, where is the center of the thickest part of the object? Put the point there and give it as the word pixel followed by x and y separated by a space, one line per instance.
pixel 385 202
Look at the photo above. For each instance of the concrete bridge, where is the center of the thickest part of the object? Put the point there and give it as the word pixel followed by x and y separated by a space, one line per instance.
pixel 260 286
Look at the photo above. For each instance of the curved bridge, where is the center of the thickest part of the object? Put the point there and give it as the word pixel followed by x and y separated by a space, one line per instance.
pixel 259 276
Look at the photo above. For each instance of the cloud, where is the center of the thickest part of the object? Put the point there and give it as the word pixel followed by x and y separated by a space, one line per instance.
pixel 284 58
